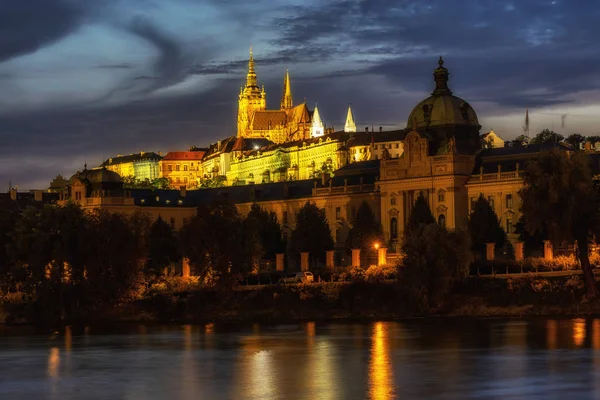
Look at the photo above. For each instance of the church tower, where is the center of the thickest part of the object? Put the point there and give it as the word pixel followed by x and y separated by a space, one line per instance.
pixel 350 125
pixel 251 99
pixel 286 98
pixel 317 125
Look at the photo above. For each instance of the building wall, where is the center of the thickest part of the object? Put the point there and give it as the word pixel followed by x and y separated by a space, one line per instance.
pixel 181 172
pixel 146 169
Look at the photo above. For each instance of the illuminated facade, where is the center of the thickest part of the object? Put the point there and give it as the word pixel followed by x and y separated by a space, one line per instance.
pixel 141 166
pixel 182 168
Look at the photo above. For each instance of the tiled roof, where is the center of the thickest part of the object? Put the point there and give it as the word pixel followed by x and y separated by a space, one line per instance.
pixel 184 155
pixel 131 158
pixel 268 119
pixel 300 113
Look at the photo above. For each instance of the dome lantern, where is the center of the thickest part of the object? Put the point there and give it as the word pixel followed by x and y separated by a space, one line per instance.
pixel 440 76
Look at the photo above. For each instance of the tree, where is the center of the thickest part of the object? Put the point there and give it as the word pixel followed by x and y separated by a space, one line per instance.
pixel 216 245
pixel 420 214
pixel 434 259
pixel 484 227
pixel 547 136
pixel 163 247
pixel 532 241
pixel 312 233
pixel 559 196
pixel 365 231
pixel 575 140
pixel 267 227
pixel 161 183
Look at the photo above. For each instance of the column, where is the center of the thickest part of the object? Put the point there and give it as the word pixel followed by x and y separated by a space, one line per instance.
pixel 548 253
pixel 382 256
pixel 304 261
pixel 518 251
pixel 279 262
pixel 329 259
pixel 356 257
pixel 185 267
pixel 490 251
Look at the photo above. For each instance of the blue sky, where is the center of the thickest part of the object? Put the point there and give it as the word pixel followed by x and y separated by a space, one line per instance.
pixel 85 80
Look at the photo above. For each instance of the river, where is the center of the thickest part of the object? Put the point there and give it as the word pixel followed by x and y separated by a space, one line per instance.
pixel 415 359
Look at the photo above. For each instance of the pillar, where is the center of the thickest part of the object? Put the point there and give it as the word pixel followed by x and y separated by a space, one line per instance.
pixel 490 250
pixel 382 256
pixel 185 267
pixel 548 253
pixel 304 261
pixel 279 261
pixel 356 257
pixel 518 251
pixel 329 259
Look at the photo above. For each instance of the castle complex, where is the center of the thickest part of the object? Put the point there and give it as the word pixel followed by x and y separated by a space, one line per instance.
pixel 283 158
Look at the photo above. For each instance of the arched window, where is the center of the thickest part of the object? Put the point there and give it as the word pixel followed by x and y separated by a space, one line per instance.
pixel 442 220
pixel 394 228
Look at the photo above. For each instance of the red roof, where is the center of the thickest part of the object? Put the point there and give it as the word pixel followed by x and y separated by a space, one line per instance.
pixel 184 155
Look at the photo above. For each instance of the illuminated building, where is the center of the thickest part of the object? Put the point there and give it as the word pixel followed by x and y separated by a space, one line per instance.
pixel 491 140
pixel 182 168
pixel 141 166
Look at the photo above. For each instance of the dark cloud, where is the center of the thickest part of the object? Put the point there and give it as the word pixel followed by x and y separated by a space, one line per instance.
pixel 116 66
pixel 26 26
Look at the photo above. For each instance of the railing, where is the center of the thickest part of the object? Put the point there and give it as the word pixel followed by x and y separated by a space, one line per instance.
pixel 498 176
pixel 344 189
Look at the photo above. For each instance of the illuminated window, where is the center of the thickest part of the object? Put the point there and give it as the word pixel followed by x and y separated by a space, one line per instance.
pixel 177 167
pixel 177 180
pixel 338 213
pixel 185 167
pixel 397 145
pixel 170 167
pixel 509 202
pixel 185 180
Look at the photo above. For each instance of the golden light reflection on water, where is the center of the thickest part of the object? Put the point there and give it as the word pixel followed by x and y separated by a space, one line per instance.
pixel 258 370
pixel 596 334
pixel 53 362
pixel 381 384
pixel 578 331
pixel 68 339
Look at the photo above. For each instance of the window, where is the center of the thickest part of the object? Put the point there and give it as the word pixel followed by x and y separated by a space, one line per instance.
pixel 509 225
pixel 394 228
pixel 393 200
pixel 338 213
pixel 177 180
pixel 441 196
pixel 185 179
pixel 170 167
pixel 509 201
pixel 442 220
pixel 397 145
pixel 185 167
pixel 491 201
pixel 177 167
pixel 285 217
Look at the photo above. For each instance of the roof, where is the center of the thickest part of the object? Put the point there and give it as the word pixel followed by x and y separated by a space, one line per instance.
pixel 184 155
pixel 24 200
pixel 222 146
pixel 509 157
pixel 99 175
pixel 268 119
pixel 131 158
pixel 364 138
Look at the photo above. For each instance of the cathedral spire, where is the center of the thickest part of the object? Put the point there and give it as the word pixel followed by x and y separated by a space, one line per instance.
pixel 251 78
pixel 350 125
pixel 317 125
pixel 286 99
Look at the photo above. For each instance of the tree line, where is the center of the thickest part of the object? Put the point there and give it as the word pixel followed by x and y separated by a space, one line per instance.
pixel 575 140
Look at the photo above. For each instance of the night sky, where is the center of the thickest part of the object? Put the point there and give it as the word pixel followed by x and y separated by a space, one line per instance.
pixel 86 80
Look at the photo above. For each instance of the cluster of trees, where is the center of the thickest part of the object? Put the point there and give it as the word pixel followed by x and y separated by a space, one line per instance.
pixel 131 182
pixel 575 140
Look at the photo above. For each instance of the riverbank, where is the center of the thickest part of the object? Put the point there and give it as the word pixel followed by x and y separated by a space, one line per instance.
pixel 474 297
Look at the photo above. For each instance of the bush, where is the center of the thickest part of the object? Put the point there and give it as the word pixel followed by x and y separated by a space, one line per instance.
pixel 377 273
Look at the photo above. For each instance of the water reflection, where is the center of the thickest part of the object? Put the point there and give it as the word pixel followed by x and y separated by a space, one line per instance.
pixel 578 331
pixel 381 385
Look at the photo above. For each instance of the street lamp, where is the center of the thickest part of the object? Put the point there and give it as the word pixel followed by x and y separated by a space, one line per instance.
pixel 376 245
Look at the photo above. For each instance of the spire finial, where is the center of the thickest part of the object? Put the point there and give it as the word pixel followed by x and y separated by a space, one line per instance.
pixel 286 98
pixel 440 76
pixel 251 78
pixel 440 61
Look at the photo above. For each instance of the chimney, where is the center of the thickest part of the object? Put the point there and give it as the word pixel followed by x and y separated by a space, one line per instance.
pixel 324 178
pixel 380 129
pixel 367 129
pixel 182 191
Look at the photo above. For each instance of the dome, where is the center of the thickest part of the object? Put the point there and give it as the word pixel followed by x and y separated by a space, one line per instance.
pixel 102 175
pixel 441 109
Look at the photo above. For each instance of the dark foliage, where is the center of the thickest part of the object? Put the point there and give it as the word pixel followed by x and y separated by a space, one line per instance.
pixel 312 233
pixel 419 215
pixel 484 227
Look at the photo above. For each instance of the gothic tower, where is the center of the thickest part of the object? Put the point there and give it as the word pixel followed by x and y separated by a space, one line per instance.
pixel 350 125
pixel 317 128
pixel 251 99
pixel 286 98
